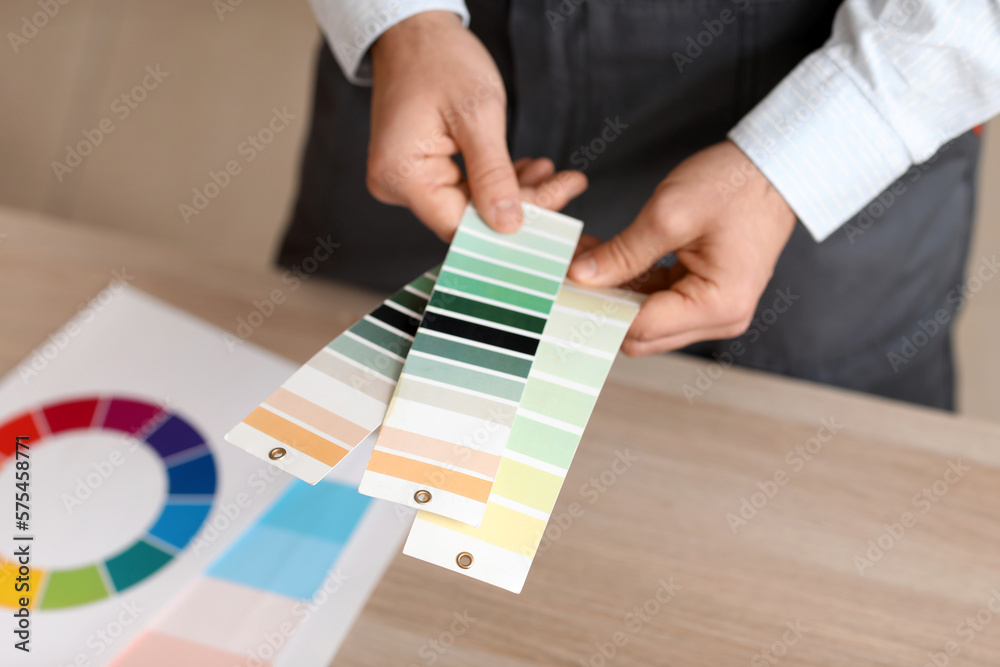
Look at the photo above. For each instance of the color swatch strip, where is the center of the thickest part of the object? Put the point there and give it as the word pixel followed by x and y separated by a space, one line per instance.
pixel 327 407
pixel 578 346
pixel 449 419
pixel 251 600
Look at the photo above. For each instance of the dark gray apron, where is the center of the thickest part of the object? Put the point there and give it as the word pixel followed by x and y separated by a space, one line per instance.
pixel 654 81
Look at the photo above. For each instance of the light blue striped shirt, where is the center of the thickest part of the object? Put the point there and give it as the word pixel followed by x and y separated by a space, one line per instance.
pixel 896 80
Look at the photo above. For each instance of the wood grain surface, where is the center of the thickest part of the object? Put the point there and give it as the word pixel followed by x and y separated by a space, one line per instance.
pixel 868 552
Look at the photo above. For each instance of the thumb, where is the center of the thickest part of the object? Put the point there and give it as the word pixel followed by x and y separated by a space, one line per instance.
pixel 492 178
pixel 626 256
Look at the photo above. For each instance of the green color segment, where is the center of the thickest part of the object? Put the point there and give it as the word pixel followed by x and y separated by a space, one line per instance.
pixel 496 292
pixel 423 283
pixel 409 300
pixel 507 254
pixel 549 222
pixel 367 356
pixel 382 337
pixel 558 402
pixel 457 260
pixel 469 354
pixel 485 311
pixel 543 442
pixel 466 378
pixel 68 588
pixel 135 564
pixel 526 239
pixel 575 365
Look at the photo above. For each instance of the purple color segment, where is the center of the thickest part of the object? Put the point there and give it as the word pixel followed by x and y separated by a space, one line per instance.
pixel 132 416
pixel 174 435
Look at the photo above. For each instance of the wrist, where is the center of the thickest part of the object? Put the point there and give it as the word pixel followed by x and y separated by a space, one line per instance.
pixel 413 31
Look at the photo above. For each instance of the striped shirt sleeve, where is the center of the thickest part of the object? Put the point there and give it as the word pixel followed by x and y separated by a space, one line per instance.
pixel 352 26
pixel 896 80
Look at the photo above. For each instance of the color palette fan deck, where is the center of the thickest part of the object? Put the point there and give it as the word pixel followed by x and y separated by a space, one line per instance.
pixel 478 379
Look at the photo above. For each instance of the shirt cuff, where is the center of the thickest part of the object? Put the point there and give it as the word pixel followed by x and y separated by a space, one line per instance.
pixel 352 27
pixel 822 144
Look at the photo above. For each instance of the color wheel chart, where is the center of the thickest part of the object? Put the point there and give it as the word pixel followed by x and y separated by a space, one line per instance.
pixel 191 483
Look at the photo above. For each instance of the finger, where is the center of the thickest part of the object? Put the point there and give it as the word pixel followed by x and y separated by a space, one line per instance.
pixel 520 164
pixel 491 175
pixel 636 348
pixel 396 160
pixel 587 242
pixel 557 190
pixel 656 279
pixel 434 192
pixel 692 304
pixel 532 172
pixel 628 254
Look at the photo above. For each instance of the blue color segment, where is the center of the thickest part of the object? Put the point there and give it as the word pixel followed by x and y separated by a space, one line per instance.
pixel 328 510
pixel 279 561
pixel 195 476
pixel 179 523
pixel 174 435
pixel 293 547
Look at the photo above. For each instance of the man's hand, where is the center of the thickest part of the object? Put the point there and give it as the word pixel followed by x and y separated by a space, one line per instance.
pixel 437 92
pixel 727 241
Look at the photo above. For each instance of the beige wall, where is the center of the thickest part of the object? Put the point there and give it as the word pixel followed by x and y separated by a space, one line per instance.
pixel 224 77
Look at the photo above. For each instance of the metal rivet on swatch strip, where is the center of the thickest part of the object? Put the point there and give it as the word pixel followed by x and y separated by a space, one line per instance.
pixel 464 560
pixel 422 497
pixel 276 453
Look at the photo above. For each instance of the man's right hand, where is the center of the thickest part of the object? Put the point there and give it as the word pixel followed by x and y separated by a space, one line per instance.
pixel 436 92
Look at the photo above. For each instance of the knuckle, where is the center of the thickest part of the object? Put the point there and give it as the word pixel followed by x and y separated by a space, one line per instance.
pixel 738 328
pixel 619 253
pixel 377 189
pixel 491 172
pixel 379 161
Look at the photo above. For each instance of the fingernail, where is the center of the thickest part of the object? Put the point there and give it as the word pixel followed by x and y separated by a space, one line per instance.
pixel 584 267
pixel 507 215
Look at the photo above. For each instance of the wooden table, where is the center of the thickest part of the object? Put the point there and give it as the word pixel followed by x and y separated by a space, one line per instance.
pixel 823 570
